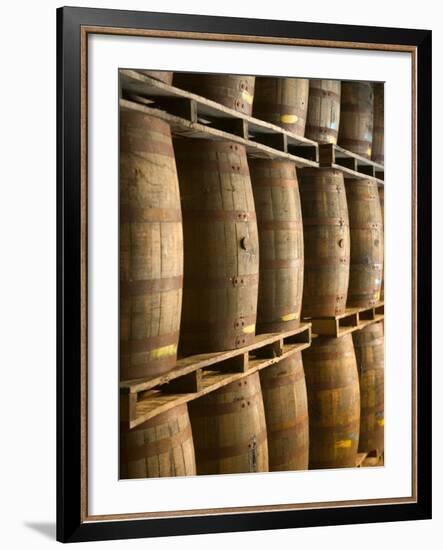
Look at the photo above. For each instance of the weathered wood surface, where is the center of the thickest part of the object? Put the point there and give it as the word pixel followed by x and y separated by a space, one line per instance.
pixel 369 352
pixel 282 101
pixel 326 242
pixel 366 228
pixel 333 402
pixel 221 249
pixel 381 195
pixel 286 411
pixel 151 248
pixel 160 447
pixel 356 117
pixel 235 92
pixel 352 165
pixel 280 229
pixel 323 118
pixel 351 320
pixel 163 76
pixel 378 142
pixel 229 429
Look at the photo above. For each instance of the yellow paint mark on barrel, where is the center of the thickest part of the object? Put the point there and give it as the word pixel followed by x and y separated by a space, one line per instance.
pixel 249 329
pixel 288 119
pixel 246 96
pixel 343 444
pixel 289 317
pixel 164 351
pixel 369 151
pixel 381 422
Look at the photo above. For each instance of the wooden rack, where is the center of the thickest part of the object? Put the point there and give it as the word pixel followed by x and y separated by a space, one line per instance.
pixel 353 319
pixel 352 165
pixel 374 458
pixel 197 375
pixel 191 115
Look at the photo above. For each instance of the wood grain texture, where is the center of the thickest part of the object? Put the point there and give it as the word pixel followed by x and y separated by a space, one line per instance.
pixel 221 246
pixel 280 230
pixel 160 447
pixel 326 242
pixel 378 142
pixel 286 411
pixel 282 101
pixel 356 117
pixel 366 227
pixel 151 248
pixel 323 118
pixel 236 92
pixel 381 195
pixel 369 352
pixel 333 402
pixel 163 76
pixel 230 430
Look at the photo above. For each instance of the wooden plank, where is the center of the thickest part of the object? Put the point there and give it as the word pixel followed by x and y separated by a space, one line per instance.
pixel 360 459
pixel 352 165
pixel 189 383
pixel 154 402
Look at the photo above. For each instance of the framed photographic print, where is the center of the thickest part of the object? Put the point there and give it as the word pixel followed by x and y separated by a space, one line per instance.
pixel 244 327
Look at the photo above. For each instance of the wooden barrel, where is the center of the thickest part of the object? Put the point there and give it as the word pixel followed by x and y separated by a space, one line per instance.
pixel 221 246
pixel 286 411
pixel 160 447
pixel 326 242
pixel 282 101
pixel 356 118
pixel 163 76
pixel 151 248
pixel 333 402
pixel 381 194
pixel 230 430
pixel 366 226
pixel 323 110
pixel 378 142
pixel 235 92
pixel 369 352
pixel 280 230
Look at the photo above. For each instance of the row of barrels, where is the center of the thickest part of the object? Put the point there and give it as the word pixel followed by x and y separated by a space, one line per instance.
pixel 349 113
pixel 315 411
pixel 215 247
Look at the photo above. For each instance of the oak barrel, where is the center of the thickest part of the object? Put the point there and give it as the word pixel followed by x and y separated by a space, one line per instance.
pixel 163 76
pixel 280 231
pixel 381 194
pixel 221 246
pixel 333 402
pixel 229 429
pixel 282 101
pixel 356 117
pixel 151 248
pixel 378 142
pixel 366 226
pixel 326 242
pixel 286 411
pixel 369 351
pixel 323 117
pixel 235 92
pixel 160 447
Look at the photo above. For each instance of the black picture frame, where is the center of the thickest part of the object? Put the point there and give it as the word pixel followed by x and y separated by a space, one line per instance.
pixel 72 526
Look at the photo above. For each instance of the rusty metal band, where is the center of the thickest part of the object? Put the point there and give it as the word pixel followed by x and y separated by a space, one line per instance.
pixel 321 262
pixel 348 430
pixel 156 448
pixel 321 130
pixel 331 186
pixel 133 214
pixel 291 429
pixel 279 225
pixel 141 122
pixel 369 225
pixel 163 418
pixel 149 344
pixel 218 453
pixel 324 94
pixel 194 150
pixel 189 166
pixel 359 343
pixel 274 110
pixel 202 281
pixel 342 222
pixel 323 300
pixel 318 174
pixel 316 355
pixel 346 142
pixel 206 408
pixel 197 329
pixel 362 107
pixel 270 382
pixel 280 264
pixel 150 286
pixel 285 183
pixel 366 268
pixel 150 368
pixel 276 313
pixel 142 144
pixel 192 214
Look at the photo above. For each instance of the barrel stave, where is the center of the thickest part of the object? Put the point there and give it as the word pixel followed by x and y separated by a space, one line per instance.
pixel 356 117
pixel 323 117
